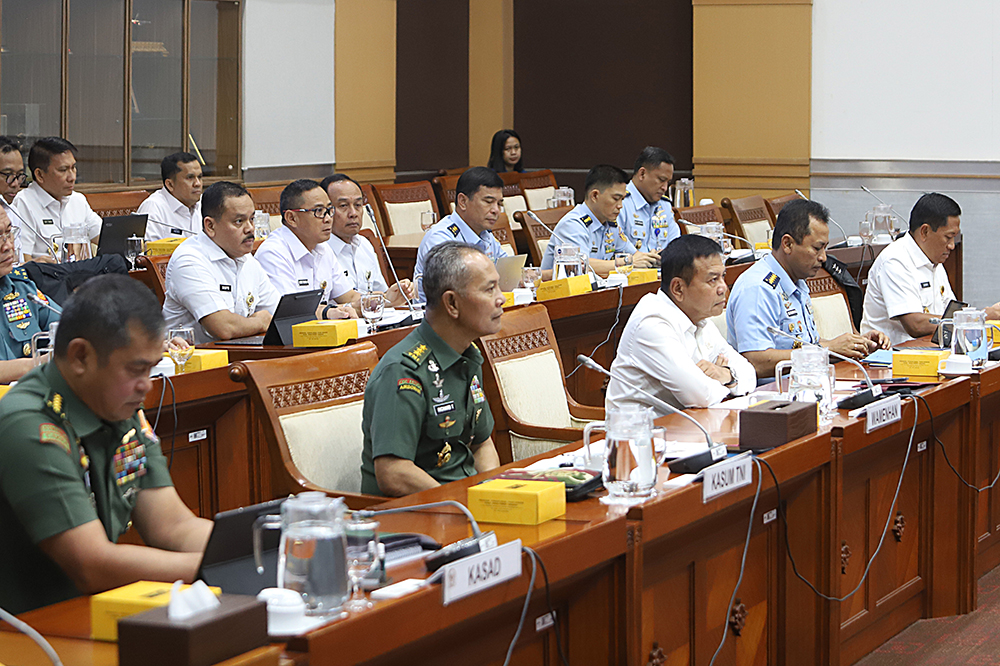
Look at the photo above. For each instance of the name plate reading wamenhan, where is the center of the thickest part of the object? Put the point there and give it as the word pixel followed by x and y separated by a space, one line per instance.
pixel 477 572
pixel 883 412
pixel 726 476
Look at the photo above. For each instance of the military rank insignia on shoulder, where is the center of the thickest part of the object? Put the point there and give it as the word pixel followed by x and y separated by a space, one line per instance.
pixel 20 274
pixel 771 279
pixel 586 219
pixel 453 228
pixel 49 433
pixel 417 354
pixel 409 384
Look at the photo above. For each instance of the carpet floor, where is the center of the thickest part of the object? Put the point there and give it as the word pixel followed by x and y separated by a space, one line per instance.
pixel 972 639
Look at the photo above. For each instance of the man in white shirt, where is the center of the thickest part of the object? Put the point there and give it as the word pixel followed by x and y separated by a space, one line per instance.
pixel 669 347
pixel 214 284
pixel 12 176
pixel 175 208
pixel 907 284
pixel 354 252
pixel 296 256
pixel 50 203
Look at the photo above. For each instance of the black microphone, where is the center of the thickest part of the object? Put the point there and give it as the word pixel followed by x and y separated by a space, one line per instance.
pixel 378 232
pixel 35 299
pixel 859 399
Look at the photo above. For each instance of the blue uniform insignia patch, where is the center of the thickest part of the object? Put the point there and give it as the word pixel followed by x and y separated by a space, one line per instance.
pixel 771 279
pixel 453 228
pixel 586 219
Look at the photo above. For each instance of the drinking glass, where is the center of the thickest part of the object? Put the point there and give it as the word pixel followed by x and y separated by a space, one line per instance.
pixel 261 225
pixel 362 557
pixel 552 202
pixel 623 263
pixel 866 232
pixel 427 219
pixel 530 277
pixel 134 247
pixel 180 346
pixel 372 307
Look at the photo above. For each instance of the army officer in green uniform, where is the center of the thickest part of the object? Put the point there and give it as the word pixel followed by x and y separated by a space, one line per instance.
pixel 425 419
pixel 23 315
pixel 80 465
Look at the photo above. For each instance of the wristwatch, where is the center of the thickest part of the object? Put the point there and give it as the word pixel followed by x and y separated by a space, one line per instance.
pixel 732 382
pixel 326 311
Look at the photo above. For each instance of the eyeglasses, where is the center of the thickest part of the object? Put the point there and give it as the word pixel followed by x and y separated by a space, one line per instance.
pixel 10 236
pixel 14 176
pixel 318 213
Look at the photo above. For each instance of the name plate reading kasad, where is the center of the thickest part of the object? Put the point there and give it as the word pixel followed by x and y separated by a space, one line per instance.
pixel 480 571
pixel 726 476
pixel 883 412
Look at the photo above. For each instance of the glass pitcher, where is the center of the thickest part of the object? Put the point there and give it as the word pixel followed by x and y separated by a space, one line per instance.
pixel 969 337
pixel 883 223
pixel 312 556
pixel 569 262
pixel 76 243
pixel 630 463
pixel 811 378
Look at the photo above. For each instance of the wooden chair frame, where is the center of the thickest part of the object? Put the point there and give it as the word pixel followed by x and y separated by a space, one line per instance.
pixel 149 273
pixel 522 332
pixel 300 383
pixel 775 204
pixel 267 199
pixel 823 284
pixel 111 204
pixel 745 210
pixel 536 231
pixel 420 190
pixel 698 215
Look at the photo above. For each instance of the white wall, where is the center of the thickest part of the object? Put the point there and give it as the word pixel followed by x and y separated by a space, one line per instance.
pixel 897 79
pixel 288 92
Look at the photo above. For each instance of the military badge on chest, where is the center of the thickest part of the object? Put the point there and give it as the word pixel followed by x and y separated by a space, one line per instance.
pixel 443 404
pixel 130 459
pixel 476 390
pixel 444 455
pixel 16 308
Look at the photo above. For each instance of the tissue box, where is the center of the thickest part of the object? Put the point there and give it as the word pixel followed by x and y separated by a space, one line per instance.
pixel 108 607
pixel 164 246
pixel 3 389
pixel 578 284
pixel 324 332
pixel 642 276
pixel 205 359
pixel 517 502
pixel 771 423
pixel 918 363
pixel 237 626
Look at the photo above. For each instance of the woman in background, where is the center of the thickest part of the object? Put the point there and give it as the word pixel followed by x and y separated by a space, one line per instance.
pixel 505 152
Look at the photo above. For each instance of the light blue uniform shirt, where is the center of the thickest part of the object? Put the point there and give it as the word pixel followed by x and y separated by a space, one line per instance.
pixel 453 228
pixel 580 227
pixel 766 296
pixel 650 226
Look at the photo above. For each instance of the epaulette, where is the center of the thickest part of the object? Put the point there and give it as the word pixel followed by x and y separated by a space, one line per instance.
pixel 54 403
pixel 628 193
pixel 771 280
pixel 665 197
pixel 586 219
pixel 453 228
pixel 415 356
pixel 20 274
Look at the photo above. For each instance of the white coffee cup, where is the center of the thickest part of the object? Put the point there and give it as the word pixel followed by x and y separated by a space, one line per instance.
pixel 956 364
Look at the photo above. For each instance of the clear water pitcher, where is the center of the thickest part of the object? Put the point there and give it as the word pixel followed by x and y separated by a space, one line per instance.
pixel 630 463
pixel 970 338
pixel 884 223
pixel 569 262
pixel 810 378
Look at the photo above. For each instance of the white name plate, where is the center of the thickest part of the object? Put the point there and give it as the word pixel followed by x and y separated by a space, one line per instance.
pixel 726 476
pixel 883 412
pixel 481 571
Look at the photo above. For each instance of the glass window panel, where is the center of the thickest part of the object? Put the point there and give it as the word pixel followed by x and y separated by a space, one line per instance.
pixel 156 85
pixel 30 47
pixel 215 85
pixel 96 89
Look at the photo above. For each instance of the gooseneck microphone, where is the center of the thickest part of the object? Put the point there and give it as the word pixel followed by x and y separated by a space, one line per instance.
pixel 562 240
pixel 24 225
pixel 879 199
pixel 832 221
pixel 35 299
pixel 388 260
pixel 594 365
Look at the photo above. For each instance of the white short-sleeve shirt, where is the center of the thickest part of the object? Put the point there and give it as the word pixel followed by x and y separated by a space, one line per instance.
pixel 659 351
pixel 902 281
pixel 44 217
pixel 168 216
pixel 202 279
pixel 293 268
pixel 359 263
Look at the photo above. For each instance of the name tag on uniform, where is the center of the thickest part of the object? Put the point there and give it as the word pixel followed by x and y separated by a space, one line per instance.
pixel 304 282
pixel 47 221
pixel 176 231
pixel 444 408
pixel 925 285
pixel 225 287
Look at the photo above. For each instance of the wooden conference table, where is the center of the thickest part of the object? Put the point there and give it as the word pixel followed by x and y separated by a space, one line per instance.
pixel 652 584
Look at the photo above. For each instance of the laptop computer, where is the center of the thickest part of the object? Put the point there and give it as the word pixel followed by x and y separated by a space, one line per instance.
pixel 116 230
pixel 292 309
pixel 228 559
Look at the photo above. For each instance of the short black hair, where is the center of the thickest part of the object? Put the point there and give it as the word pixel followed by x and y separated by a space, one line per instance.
pixel 497 147
pixel 603 176
pixel 677 258
pixel 933 209
pixel 793 220
pixel 336 178
pixel 102 308
pixel 43 150
pixel 170 166
pixel 213 199
pixel 476 177
pixel 445 269
pixel 9 144
pixel 291 196
pixel 651 157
